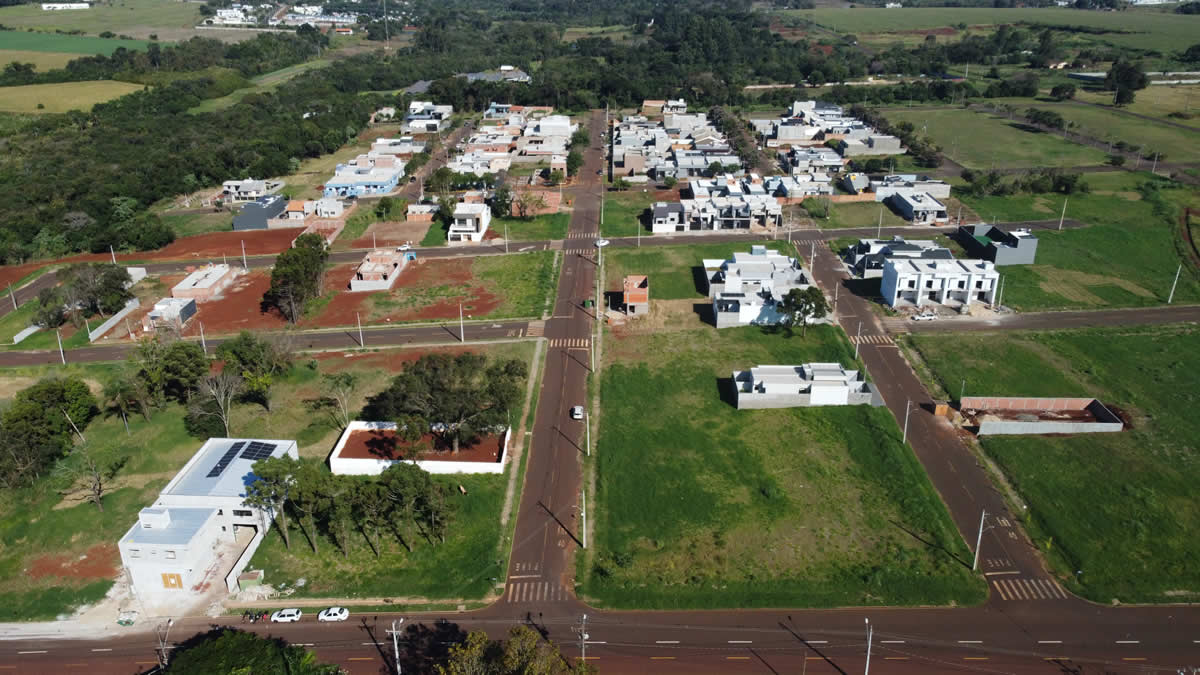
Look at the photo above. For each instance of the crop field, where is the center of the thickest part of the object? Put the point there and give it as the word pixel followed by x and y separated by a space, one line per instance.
pixel 1115 513
pixel 64 96
pixel 138 18
pixel 79 45
pixel 1158 102
pixel 700 505
pixel 42 61
pixel 676 272
pixel 1176 144
pixel 1131 29
pixel 1127 257
pixel 982 141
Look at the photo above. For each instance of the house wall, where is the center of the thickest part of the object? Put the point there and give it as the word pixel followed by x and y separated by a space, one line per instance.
pixel 994 427
pixel 373 467
pixel 154 576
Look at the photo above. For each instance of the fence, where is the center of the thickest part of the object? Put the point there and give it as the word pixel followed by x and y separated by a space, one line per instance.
pixel 1104 419
pixel 112 320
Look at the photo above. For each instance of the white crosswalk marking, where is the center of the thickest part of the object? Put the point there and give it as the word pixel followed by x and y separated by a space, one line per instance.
pixel 536 329
pixel 1028 589
pixel 571 343
pixel 870 340
pixel 520 592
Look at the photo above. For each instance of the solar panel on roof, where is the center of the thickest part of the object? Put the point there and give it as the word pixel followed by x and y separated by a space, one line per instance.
pixel 257 451
pixel 225 459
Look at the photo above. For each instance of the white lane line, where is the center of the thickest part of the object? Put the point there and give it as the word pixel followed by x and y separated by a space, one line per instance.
pixel 666 642
pixel 373 643
pixel 992 574
pixel 891 642
pixel 818 642
pixel 970 642
pixel 750 642
pixel 526 576
pixel 1128 642
pixel 106 649
pixel 1049 642
pixel 35 651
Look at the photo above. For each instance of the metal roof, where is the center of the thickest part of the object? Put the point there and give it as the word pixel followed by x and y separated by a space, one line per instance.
pixel 184 524
pixel 221 468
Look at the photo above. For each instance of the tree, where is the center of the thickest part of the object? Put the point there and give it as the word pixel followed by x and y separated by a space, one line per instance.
pixel 715 168
pixel 271 490
pixel 528 202
pixel 167 370
pixel 1192 54
pixel 556 177
pixel 574 162
pixel 801 305
pixel 39 423
pixel 502 202
pixel 340 388
pixel 297 276
pixel 1125 78
pixel 258 360
pixel 670 182
pixel 83 466
pixel 49 311
pixel 371 508
pixel 309 497
pixel 1062 92
pixel 121 395
pixel 464 393
pixel 233 652
pixel 221 390
pixel 101 288
pixel 339 506
pixel 409 488
pixel 525 652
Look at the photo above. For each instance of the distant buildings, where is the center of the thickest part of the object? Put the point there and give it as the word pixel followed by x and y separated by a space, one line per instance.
pixel 405 145
pixel 811 384
pixel 952 283
pixel 367 174
pixel 247 190
pixel 501 74
pixel 681 146
pixel 723 203
pixel 426 118
pixel 867 258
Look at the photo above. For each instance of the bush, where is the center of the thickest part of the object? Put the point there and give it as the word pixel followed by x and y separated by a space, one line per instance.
pixel 1116 160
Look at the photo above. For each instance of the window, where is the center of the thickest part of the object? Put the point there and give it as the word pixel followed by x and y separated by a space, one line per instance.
pixel 929 283
pixel 170 555
pixel 978 284
pixel 135 553
pixel 962 284
pixel 912 283
pixel 240 513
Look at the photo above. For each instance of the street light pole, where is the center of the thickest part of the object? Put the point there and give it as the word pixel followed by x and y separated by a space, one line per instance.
pixel 358 320
pixel 857 339
pixel 462 336
pixel 1174 283
pixel 245 266
pixel 870 634
pixel 203 344
pixel 907 408
pixel 395 633
pixel 163 633
pixel 1064 213
pixel 978 541
pixel 61 354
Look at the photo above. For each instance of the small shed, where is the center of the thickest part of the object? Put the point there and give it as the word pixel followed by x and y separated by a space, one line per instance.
pixel 636 294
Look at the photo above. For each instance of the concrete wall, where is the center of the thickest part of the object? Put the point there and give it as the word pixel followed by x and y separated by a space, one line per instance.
pixel 112 320
pixel 1024 403
pixel 1107 421
pixel 373 467
pixel 751 401
pixel 1017 427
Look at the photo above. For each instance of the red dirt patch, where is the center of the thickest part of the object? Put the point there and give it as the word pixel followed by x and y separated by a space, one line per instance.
pixel 391 234
pixel 99 562
pixel 239 308
pixel 382 444
pixel 477 301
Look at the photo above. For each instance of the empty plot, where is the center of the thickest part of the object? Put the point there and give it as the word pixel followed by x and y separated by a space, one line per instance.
pixel 1176 144
pixel 63 96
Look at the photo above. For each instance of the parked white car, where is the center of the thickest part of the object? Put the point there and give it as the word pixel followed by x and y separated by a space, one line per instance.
pixel 925 317
pixel 286 616
pixel 577 412
pixel 334 614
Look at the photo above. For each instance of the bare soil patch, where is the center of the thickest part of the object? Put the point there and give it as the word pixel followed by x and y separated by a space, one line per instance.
pixel 239 309
pixel 391 362
pixel 98 562
pixel 433 289
pixel 392 233
pixel 383 444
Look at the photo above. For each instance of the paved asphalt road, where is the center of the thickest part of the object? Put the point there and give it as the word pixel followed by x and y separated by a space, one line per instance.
pixel 1028 624
pixel 1056 320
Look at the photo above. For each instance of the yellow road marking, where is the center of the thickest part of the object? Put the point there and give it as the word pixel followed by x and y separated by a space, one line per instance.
pixel 361 658
pixel 77 665
pixel 738 658
pixel 587 658
pixel 662 658
pixel 1134 658
pixel 975 658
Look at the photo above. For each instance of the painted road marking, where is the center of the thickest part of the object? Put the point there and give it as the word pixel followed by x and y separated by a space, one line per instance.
pixel 373 644
pixel 1128 642
pixel 37 651
pixel 895 658
pixel 975 658
pixel 666 642
pixel 1057 658
pixel 817 642
pixel 748 642
pixel 662 658
pixel 737 658
pixel 106 649
pixel 361 658
pixel 891 642
pixel 1049 642
pixel 970 642
pixel 991 574
pixel 1133 658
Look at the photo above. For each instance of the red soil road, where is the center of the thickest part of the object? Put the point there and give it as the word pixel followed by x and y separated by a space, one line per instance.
pixel 381 444
pixel 99 562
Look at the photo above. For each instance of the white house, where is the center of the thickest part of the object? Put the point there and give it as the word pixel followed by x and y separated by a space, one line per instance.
pixel 471 221
pixel 811 384
pixel 747 289
pixel 244 190
pixel 199 531
pixel 59 6
pixel 954 283
pixel 919 207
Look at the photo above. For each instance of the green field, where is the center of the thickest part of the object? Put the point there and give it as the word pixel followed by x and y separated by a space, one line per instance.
pixel 79 45
pixel 860 214
pixel 537 228
pixel 524 282
pixel 138 18
pixel 676 272
pixel 1176 145
pixel 260 85
pixel 1157 101
pixel 1130 29
pixel 700 505
pixel 1127 257
pixel 1120 508
pixel 983 141
pixel 63 96
pixel 623 212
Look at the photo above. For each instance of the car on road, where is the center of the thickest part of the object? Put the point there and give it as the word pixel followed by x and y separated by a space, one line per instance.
pixel 334 614
pixel 404 247
pixel 601 242
pixel 286 616
pixel 599 172
pixel 577 412
pixel 925 317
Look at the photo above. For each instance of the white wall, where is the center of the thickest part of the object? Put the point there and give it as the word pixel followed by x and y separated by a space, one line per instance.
pixel 374 466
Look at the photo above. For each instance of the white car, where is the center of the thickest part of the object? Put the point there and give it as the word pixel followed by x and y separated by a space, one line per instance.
pixel 577 412
pixel 286 616
pixel 601 242
pixel 925 317
pixel 404 247
pixel 334 614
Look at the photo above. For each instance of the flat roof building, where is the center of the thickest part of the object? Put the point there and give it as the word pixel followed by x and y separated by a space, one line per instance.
pixel 919 207
pixel 1003 247
pixel 379 269
pixel 953 283
pixel 204 283
pixel 810 384
pixel 636 294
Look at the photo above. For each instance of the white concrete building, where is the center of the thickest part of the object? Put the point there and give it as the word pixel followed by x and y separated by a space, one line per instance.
pixel 199 531
pixel 367 449
pixel 954 283
pixel 471 222
pixel 811 384
pixel 919 207
pixel 747 288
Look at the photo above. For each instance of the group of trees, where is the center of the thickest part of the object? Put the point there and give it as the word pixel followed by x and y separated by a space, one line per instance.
pixel 41 426
pixel 1124 79
pixel 1045 118
pixel 525 652
pixel 298 276
pixel 403 502
pixel 921 148
pixel 737 132
pixel 226 651
pixel 85 289
pixel 1036 181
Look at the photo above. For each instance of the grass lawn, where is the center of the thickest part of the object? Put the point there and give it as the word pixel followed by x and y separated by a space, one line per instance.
pixel 74 45
pixel 188 224
pixel 1157 101
pixel 700 505
pixel 548 226
pixel 138 18
pixel 676 272
pixel 1127 257
pixel 1142 30
pixel 982 140
pixel 1177 145
pixel 38 524
pixel 1120 507
pixel 860 214
pixel 64 96
pixel 261 84
pixel 42 61
pixel 524 281
pixel 623 212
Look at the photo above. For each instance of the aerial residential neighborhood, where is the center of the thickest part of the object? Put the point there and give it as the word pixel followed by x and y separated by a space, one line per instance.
pixel 542 337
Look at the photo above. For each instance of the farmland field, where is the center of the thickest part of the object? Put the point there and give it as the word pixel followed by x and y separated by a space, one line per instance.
pixel 1119 508
pixel 1179 145
pixel 700 505
pixel 42 61
pixel 78 45
pixel 138 18
pixel 1131 29
pixel 63 96
pixel 1157 101
pixel 981 140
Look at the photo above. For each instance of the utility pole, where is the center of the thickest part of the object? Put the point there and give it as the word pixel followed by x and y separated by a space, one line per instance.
pixel 395 633
pixel 387 38
pixel 245 265
pixel 978 541
pixel 583 636
pixel 373 243
pixel 163 632
pixel 112 253
pixel 907 408
pixel 879 228
pixel 857 340
pixel 506 237
pixel 1063 217
pixel 462 335
pixel 587 428
pixel 203 344
pixel 583 512
pixel 1174 283
pixel 962 392
pixel 870 634
pixel 62 355
pixel 1154 167
pixel 358 320
pixel 12 296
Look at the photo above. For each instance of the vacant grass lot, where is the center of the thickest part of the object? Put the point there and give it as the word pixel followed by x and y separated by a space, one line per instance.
pixel 861 214
pixel 537 228
pixel 1157 101
pixel 138 18
pixel 189 224
pixel 1177 145
pixel 40 523
pixel 524 282
pixel 702 505
pixel 76 45
pixel 42 61
pixel 1126 258
pixel 62 97
pixel 623 212
pixel 982 141
pixel 1142 30
pixel 676 272
pixel 1120 507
